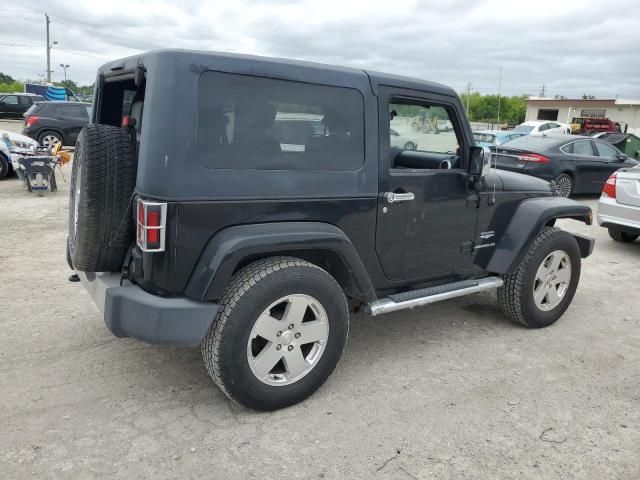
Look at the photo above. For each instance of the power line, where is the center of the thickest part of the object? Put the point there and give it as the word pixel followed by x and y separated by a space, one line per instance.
pixel 19 45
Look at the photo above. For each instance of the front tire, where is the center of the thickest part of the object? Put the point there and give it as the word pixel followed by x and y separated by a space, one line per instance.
pixel 4 166
pixel 543 285
pixel 280 332
pixel 622 236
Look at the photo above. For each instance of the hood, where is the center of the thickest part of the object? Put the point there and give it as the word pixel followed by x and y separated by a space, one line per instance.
pixel 519 182
pixel 17 138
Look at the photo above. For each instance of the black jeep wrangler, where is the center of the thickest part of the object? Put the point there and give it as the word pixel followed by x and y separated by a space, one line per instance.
pixel 248 205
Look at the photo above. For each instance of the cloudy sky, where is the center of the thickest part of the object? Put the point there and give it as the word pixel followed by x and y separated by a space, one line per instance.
pixel 572 47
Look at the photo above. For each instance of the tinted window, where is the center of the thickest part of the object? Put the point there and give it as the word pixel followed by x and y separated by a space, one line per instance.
pixel 543 127
pixel 71 111
pixel 267 124
pixel 10 100
pixel 24 101
pixel 553 125
pixel 605 150
pixel 582 147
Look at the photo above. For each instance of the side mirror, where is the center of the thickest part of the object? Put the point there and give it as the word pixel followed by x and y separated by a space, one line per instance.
pixel 480 161
pixel 622 157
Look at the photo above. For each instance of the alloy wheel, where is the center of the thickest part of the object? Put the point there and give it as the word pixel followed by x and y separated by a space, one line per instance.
pixel 552 280
pixel 288 339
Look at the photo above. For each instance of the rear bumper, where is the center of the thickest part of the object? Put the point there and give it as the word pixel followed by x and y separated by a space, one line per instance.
pixel 614 214
pixel 129 311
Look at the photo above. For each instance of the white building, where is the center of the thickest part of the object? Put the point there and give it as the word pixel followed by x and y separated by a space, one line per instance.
pixel 624 112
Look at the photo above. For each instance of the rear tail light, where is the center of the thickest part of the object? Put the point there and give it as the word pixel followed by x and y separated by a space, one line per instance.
pixel 610 186
pixel 31 119
pixel 152 219
pixel 533 158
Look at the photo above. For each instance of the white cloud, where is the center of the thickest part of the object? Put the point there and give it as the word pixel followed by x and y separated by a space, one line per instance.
pixel 573 47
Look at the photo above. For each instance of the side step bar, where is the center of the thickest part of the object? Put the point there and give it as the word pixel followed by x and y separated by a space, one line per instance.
pixel 425 296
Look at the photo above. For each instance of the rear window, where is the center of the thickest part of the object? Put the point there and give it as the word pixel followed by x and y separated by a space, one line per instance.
pixel 247 122
pixel 523 129
pixel 529 142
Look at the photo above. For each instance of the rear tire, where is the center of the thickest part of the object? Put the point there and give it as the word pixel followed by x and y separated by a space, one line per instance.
pixel 49 138
pixel 292 369
pixel 102 183
pixel 564 185
pixel 517 297
pixel 622 236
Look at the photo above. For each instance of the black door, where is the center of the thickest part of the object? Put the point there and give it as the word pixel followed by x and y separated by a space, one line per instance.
pixel 73 118
pixel 580 157
pixel 609 160
pixel 10 107
pixel 426 216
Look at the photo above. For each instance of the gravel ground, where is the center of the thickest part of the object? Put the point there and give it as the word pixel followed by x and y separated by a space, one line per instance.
pixel 449 391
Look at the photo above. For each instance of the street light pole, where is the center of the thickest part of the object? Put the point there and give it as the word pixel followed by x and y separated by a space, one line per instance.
pixel 65 70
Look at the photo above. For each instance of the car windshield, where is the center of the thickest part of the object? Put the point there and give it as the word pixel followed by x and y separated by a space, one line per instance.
pixel 523 129
pixel 529 142
pixel 484 137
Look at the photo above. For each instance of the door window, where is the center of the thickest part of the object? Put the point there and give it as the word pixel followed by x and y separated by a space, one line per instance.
pixel 25 101
pixel 10 100
pixel 606 151
pixel 422 136
pixel 582 147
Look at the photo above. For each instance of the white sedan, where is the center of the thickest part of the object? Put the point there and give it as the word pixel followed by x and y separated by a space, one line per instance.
pixel 402 141
pixel 542 127
pixel 619 205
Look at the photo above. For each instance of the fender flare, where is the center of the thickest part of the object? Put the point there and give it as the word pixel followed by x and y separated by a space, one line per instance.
pixel 527 221
pixel 234 247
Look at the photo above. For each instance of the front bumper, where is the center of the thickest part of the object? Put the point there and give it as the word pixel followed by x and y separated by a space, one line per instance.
pixel 614 214
pixel 129 311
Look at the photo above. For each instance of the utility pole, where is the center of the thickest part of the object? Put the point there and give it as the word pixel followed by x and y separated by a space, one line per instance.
pixel 542 91
pixel 499 94
pixel 49 47
pixel 468 96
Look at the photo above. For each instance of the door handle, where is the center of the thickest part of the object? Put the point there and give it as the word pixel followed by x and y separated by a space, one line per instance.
pixel 391 197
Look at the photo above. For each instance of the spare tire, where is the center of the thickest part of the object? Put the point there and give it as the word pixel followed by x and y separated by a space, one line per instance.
pixel 103 179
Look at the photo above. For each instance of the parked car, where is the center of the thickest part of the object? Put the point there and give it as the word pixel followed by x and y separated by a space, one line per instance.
pixel 489 138
pixel 12 142
pixel 257 253
pixel 540 127
pixel 14 105
pixel 51 123
pixel 619 205
pixel 402 141
pixel 576 164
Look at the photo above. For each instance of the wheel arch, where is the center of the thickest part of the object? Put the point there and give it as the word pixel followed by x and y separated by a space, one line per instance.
pixel 322 244
pixel 529 218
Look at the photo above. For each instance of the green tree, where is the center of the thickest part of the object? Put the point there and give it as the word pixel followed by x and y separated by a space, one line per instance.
pixel 484 108
pixel 4 78
pixel 11 87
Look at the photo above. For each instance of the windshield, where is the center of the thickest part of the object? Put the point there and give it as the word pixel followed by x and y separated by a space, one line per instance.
pixel 523 129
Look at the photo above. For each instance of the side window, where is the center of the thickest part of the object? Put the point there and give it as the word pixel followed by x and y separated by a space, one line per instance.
pixel 247 122
pixel 583 147
pixel 422 136
pixel 24 101
pixel 553 125
pixel 70 111
pixel 605 150
pixel 543 127
pixel 10 100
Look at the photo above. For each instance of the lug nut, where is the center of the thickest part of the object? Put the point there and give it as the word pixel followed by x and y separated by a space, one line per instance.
pixel 279 334
pixel 290 347
pixel 297 335
pixel 278 347
pixel 291 326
